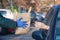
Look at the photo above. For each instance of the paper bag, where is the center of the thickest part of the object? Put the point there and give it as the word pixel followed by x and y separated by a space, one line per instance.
pixel 25 17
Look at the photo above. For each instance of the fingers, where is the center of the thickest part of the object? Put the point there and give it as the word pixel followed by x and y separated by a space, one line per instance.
pixel 24 21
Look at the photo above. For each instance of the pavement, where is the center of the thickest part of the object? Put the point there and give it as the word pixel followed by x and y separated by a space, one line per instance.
pixel 19 37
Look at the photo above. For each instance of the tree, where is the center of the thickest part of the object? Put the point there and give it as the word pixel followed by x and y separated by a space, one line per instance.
pixel 2 3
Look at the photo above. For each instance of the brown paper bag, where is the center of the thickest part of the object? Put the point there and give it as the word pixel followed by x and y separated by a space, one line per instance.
pixel 22 31
pixel 25 17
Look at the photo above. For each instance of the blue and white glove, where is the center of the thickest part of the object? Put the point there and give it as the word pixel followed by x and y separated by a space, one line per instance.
pixel 21 23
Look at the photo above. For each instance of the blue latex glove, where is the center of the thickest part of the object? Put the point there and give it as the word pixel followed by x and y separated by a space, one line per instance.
pixel 21 23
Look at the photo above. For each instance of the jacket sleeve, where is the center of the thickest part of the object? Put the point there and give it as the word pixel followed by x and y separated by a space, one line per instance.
pixel 7 23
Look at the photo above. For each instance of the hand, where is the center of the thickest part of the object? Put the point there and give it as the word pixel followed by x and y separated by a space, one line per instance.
pixel 21 23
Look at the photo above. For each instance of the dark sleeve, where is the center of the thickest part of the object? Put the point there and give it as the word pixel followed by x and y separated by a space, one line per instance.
pixel 7 23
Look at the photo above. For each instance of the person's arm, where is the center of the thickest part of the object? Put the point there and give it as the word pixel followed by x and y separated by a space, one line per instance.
pixel 7 23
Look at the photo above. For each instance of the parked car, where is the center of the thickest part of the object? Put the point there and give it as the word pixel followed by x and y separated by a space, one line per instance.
pixel 53 19
pixel 7 14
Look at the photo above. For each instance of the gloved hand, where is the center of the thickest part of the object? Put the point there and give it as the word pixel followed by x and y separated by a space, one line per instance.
pixel 21 23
